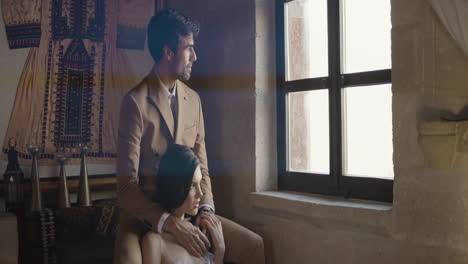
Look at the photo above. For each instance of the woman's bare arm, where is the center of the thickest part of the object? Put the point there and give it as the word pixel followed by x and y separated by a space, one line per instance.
pixel 151 247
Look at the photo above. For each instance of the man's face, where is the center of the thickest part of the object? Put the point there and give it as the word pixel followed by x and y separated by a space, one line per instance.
pixel 184 58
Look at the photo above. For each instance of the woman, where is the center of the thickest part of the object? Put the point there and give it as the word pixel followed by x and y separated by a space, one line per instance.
pixel 178 191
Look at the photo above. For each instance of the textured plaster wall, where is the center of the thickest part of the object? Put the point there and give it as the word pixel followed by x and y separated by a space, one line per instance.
pixel 429 74
pixel 444 93
pixel 427 222
pixel 224 77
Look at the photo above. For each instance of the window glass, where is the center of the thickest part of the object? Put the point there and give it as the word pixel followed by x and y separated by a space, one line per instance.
pixel 367 131
pixel 308 133
pixel 306 39
pixel 366 31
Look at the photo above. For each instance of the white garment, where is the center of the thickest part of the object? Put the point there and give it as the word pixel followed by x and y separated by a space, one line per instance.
pixel 454 15
pixel 171 98
pixel 209 258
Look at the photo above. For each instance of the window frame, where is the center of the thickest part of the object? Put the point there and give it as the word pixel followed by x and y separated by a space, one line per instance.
pixel 334 183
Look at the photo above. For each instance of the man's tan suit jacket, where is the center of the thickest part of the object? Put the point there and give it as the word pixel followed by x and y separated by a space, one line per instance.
pixel 146 128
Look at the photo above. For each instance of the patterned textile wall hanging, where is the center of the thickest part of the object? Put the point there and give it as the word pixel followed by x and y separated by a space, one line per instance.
pixel 76 72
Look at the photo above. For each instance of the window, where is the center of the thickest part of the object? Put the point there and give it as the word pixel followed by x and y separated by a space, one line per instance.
pixel 334 98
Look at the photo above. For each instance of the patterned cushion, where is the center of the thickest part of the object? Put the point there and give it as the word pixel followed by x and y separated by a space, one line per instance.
pixel 79 231
pixel 107 220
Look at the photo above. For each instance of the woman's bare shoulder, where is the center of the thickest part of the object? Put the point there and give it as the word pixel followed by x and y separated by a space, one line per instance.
pixel 152 248
pixel 154 241
pixel 175 253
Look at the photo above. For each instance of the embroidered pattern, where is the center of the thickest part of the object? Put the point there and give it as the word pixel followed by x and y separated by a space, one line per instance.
pixel 59 23
pixel 97 24
pixel 23 36
pixel 74 26
pixel 48 236
pixel 51 156
pixel 101 98
pixel 74 96
pixel 108 220
pixel 46 93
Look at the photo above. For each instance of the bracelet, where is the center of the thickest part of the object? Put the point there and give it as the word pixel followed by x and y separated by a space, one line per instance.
pixel 207 210
pixel 161 222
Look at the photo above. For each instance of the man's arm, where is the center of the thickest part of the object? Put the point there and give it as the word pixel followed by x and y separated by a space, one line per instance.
pixel 200 151
pixel 130 196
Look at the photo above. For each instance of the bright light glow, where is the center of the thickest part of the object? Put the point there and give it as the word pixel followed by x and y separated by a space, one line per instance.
pixel 366 35
pixel 306 39
pixel 308 137
pixel 367 131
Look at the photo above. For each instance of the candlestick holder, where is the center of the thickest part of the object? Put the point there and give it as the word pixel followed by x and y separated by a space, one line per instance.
pixel 63 196
pixel 36 198
pixel 84 197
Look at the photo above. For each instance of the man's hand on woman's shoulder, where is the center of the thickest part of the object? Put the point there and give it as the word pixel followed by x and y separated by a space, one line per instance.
pixel 188 236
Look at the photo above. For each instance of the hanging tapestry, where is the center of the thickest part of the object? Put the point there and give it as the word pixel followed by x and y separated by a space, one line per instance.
pixel 75 74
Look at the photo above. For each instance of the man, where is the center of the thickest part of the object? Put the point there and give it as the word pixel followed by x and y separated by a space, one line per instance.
pixel 162 110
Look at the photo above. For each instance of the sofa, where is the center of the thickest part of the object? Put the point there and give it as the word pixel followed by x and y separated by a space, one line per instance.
pixel 75 235
pixel 69 235
pixel 8 238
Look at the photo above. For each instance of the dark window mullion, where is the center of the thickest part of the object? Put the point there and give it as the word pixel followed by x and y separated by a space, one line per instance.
pixel 309 182
pixel 281 93
pixel 305 85
pixel 368 188
pixel 367 78
pixel 334 90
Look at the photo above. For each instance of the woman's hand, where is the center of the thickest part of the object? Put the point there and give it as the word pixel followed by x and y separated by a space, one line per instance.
pixel 187 235
pixel 212 224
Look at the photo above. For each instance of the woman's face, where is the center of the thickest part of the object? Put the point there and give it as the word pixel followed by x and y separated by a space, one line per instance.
pixel 192 202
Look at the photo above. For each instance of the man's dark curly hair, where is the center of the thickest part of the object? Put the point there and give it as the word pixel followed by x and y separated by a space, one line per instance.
pixel 165 28
pixel 174 177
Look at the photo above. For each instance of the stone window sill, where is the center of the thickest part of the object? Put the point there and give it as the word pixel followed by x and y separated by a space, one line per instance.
pixel 323 210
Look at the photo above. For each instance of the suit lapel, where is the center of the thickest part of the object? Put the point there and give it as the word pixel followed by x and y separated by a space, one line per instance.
pixel 182 109
pixel 158 98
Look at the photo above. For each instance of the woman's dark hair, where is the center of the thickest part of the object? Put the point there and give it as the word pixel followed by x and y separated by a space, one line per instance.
pixel 165 28
pixel 174 177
